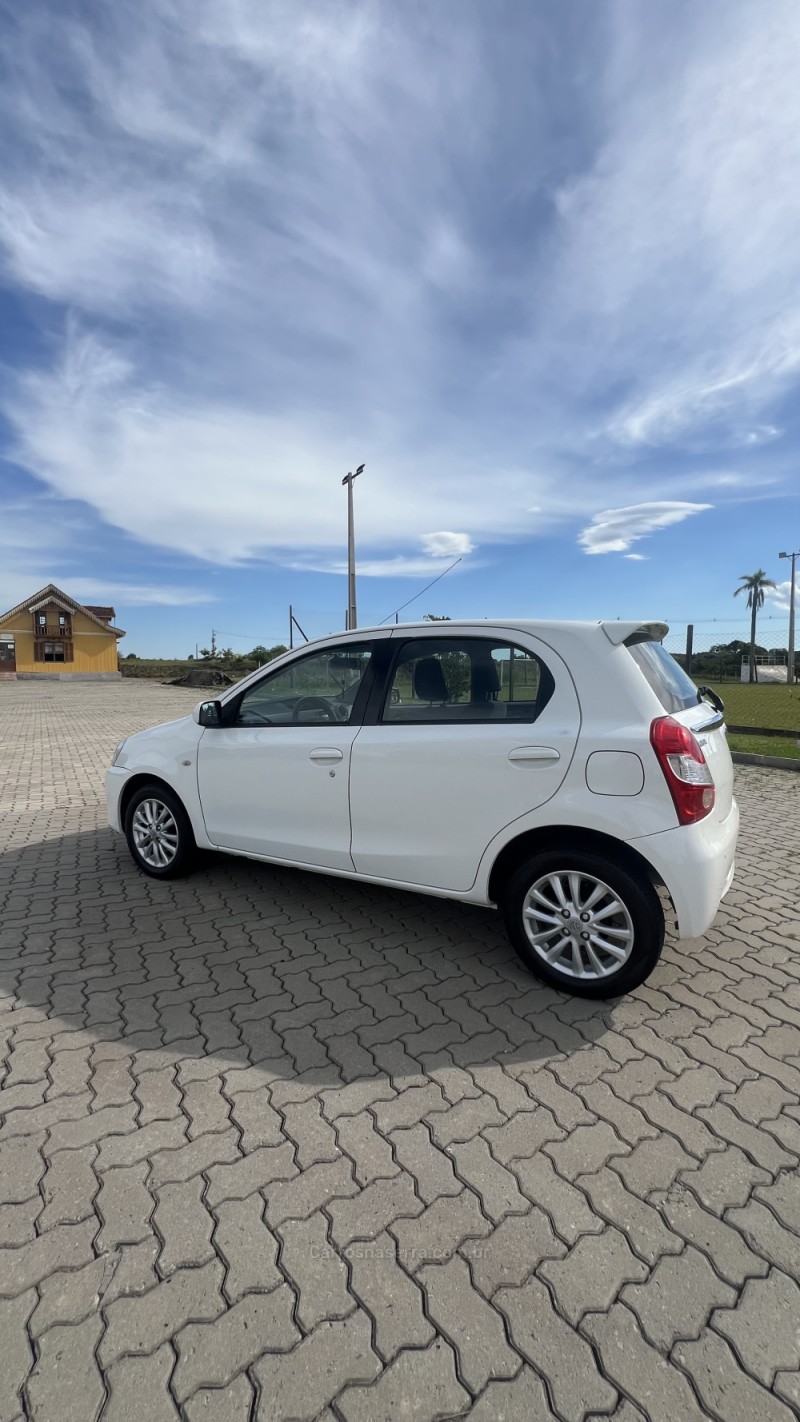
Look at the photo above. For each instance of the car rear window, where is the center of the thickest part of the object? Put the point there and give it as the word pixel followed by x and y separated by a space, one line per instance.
pixel 674 689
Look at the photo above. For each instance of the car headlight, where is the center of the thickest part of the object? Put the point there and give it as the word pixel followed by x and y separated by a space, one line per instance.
pixel 117 752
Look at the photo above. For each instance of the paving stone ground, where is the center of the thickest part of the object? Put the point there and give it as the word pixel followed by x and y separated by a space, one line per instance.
pixel 277 1146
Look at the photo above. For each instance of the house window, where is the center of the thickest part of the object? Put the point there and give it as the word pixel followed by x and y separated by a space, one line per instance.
pixel 53 651
pixel 41 619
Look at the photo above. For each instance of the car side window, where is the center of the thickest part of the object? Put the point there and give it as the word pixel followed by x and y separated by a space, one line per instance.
pixel 316 690
pixel 458 679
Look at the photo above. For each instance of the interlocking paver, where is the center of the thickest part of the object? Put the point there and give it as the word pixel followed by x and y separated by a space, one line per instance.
pixel 567 1207
pixel 640 1222
pixel 592 1274
pixel 16 1353
pixel 724 1179
pixel 721 1244
pixel 211 1354
pixel 498 1189
pixel 124 1206
pixel 184 1224
pixel 317 1269
pixel 258 1171
pixel 247 1245
pixel 438 1231
pixel 139 1325
pixel 369 1151
pixel 471 1324
pixel 65 1246
pixel 393 1299
pixel 677 1298
pixel 233 1403
pixel 556 1351
pixel 422 1385
pixel 139 1387
pixel 724 1388
pixel 251 1016
pixel 65 1385
pixel 522 1399
pixel 632 1364
pixel 68 1188
pixel 336 1355
pixel 763 1326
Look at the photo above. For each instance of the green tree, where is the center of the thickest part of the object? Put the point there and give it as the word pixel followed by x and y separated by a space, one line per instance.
pixel 755 585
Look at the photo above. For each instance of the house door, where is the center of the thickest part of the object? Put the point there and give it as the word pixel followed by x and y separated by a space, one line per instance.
pixel 7 657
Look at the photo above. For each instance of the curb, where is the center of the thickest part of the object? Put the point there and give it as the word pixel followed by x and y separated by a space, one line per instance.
pixel 769 762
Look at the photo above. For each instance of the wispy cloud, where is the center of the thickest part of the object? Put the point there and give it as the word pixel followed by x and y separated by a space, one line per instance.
pixel 614 530
pixel 270 240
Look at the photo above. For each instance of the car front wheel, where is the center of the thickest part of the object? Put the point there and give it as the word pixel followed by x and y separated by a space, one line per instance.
pixel 583 923
pixel 159 833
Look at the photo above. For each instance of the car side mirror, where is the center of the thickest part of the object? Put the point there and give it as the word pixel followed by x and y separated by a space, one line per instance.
pixel 208 713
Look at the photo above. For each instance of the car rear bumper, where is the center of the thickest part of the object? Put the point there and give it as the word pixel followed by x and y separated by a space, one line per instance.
pixel 696 863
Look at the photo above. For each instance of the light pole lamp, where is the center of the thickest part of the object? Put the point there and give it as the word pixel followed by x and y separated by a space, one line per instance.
pixel 352 618
pixel 790 668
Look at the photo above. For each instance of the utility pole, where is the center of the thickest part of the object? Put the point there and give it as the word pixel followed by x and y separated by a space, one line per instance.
pixel 352 617
pixel 291 627
pixel 790 668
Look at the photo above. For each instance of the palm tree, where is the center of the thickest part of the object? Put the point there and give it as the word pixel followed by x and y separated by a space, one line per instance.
pixel 754 584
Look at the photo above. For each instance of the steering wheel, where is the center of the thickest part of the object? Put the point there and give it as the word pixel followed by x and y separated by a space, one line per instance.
pixel 309 703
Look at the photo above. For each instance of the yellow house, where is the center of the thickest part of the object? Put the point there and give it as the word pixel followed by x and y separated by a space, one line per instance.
pixel 52 635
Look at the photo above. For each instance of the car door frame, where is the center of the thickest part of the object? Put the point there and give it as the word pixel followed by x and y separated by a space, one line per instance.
pixel 511 636
pixel 229 711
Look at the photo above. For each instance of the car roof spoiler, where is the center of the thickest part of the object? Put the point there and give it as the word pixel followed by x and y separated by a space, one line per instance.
pixel 618 632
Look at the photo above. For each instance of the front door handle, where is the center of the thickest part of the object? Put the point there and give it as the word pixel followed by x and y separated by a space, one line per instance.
pixel 529 753
pixel 325 754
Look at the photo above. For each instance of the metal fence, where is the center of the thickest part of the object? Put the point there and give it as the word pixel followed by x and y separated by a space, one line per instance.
pixel 718 650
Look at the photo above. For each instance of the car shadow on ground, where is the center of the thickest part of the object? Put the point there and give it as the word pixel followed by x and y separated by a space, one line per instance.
pixel 309 979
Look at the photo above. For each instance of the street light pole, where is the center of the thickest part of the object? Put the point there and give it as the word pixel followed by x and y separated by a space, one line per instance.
pixel 352 617
pixel 790 668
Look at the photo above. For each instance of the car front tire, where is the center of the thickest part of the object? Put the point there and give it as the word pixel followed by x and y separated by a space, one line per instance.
pixel 159 833
pixel 584 924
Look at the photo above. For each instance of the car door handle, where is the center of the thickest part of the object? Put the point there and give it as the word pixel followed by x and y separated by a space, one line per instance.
pixel 325 754
pixel 529 753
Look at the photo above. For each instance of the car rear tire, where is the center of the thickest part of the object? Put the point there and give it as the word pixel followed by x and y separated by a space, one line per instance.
pixel 583 923
pixel 159 833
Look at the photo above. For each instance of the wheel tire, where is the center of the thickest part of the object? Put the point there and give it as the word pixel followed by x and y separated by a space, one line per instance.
pixel 639 929
pixel 175 841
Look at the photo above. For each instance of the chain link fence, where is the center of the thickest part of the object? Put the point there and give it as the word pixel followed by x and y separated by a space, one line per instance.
pixel 720 651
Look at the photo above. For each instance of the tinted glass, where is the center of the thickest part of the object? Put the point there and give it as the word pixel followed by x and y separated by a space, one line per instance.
pixel 316 690
pixel 674 689
pixel 461 679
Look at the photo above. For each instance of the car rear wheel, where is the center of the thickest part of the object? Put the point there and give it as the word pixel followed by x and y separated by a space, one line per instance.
pixel 159 833
pixel 583 923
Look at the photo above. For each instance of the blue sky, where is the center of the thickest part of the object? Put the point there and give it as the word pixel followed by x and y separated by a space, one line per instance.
pixel 538 266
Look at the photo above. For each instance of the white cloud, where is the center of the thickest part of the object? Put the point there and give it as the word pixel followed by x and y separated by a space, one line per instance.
pixel 614 530
pixel 636 557
pixel 447 545
pixel 780 595
pixel 288 242
pixel 136 594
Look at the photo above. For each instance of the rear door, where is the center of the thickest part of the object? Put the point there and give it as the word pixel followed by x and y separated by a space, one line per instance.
pixel 467 734
pixel 678 696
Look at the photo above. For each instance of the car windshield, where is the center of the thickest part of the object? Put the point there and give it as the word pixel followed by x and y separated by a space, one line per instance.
pixel 675 690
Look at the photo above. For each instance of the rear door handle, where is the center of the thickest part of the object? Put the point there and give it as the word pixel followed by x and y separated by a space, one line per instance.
pixel 325 754
pixel 529 753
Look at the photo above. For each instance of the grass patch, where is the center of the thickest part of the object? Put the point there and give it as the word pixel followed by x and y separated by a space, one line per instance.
pixel 765 745
pixel 775 707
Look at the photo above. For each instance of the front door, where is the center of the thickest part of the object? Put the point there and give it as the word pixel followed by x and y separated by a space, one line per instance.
pixel 8 662
pixel 273 780
pixel 473 734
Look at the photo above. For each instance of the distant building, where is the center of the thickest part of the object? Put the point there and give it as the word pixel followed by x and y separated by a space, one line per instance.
pixel 51 635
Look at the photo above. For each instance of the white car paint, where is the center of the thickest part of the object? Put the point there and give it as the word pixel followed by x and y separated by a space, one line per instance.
pixel 430 807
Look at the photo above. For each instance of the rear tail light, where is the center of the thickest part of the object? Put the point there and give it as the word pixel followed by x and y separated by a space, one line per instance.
pixel 685 769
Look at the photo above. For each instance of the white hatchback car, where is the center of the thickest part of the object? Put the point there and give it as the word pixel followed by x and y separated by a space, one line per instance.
pixel 563 771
